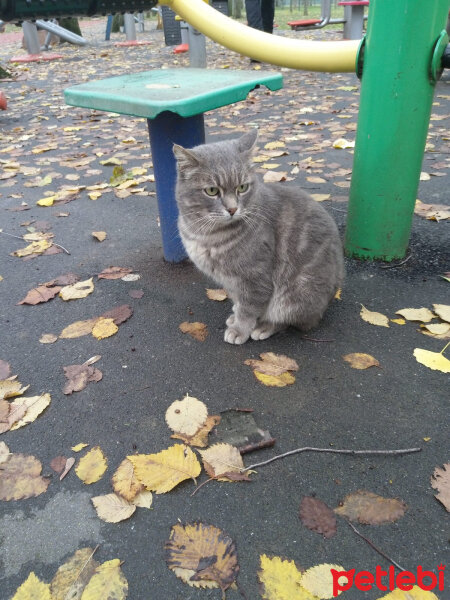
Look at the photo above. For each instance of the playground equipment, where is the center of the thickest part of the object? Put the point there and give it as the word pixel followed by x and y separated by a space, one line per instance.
pixel 399 62
pixel 353 19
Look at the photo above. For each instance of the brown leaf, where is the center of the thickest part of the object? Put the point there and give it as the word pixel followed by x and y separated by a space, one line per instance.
pixel 20 477
pixel 125 482
pixel 317 516
pixel 58 464
pixel 136 294
pixel 5 369
pixel 272 364
pixel 40 294
pixel 359 360
pixel 440 481
pixel 79 376
pixel 218 295
pixel 200 438
pixel 198 331
pixel 371 509
pixel 119 314
pixel 15 414
pixel 67 279
pixel 202 553
pixel 114 272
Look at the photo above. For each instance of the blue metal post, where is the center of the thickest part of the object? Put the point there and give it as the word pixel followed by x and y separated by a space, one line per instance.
pixel 165 130
pixel 109 23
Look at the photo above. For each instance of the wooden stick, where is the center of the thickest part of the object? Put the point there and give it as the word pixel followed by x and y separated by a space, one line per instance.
pixel 372 545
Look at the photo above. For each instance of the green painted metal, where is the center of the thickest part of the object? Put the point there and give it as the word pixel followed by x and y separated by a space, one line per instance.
pixel 396 97
pixel 186 92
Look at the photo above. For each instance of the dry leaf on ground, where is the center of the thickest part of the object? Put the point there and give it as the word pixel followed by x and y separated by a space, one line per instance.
pixel 104 328
pixel 33 588
pixel 42 293
pixel 92 466
pixel 5 370
pixel 9 415
pixel 186 416
pixel 224 463
pixel 317 516
pixel 440 481
pixel 108 581
pixel 370 509
pixel 78 329
pixel 200 554
pixel 374 318
pixel 69 464
pixel 163 471
pixel 11 387
pixel 433 360
pixel 280 579
pixel 198 331
pixel 79 447
pixel 4 452
pixel 48 338
pixel 99 235
pixel 77 290
pixel 200 438
pixel 318 580
pixel 273 369
pixel 218 295
pixel 442 311
pixel 71 577
pixel 58 464
pixel 20 477
pixel 359 360
pixel 33 248
pixel 125 482
pixel 437 329
pixel 416 314
pixel 112 508
pixel 35 405
pixel 79 376
pixel 114 272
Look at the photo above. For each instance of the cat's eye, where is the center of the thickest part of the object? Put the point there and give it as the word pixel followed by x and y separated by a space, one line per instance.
pixel 212 191
pixel 242 188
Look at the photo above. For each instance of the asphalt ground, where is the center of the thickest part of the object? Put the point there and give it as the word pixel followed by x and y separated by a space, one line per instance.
pixel 149 363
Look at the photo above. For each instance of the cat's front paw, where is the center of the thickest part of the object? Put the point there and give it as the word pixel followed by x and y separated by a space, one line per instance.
pixel 230 321
pixel 234 336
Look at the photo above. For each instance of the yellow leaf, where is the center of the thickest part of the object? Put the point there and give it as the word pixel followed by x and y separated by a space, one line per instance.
pixel 10 388
pixel 221 459
pixel 416 593
pixel 342 143
pixel 218 295
pixel 94 195
pixel 320 197
pixel 399 321
pixel 275 380
pixel 374 318
pixel 318 580
pixel 35 406
pixel 442 311
pixel 272 364
pixel 33 589
pixel 99 235
pixel 338 294
pixel 186 416
pixel 281 580
pixel 270 166
pixel 126 184
pixel 77 290
pixel 359 360
pixel 433 360
pixel 92 466
pixel 108 582
pixel 109 162
pixel 48 201
pixel 113 508
pixel 437 328
pixel 72 576
pixel 79 447
pixel 33 248
pixel 125 482
pixel 424 176
pixel 197 330
pixel 273 145
pixel 143 500
pixel 78 329
pixel 163 471
pixel 316 179
pixel 104 328
pixel 416 314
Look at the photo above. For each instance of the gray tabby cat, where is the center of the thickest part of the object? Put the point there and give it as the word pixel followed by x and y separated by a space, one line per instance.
pixel 274 249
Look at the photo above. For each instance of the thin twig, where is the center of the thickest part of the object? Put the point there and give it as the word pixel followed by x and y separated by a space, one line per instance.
pixel 399 264
pixel 86 563
pixel 22 238
pixel 334 451
pixel 372 545
pixel 202 484
pixel 310 339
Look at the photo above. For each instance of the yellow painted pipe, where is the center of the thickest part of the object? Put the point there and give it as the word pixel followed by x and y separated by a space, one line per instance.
pixel 330 57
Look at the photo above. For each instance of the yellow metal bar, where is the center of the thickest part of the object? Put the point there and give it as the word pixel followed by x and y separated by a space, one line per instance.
pixel 330 57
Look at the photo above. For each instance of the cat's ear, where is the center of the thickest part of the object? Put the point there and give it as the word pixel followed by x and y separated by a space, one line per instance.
pixel 185 157
pixel 247 142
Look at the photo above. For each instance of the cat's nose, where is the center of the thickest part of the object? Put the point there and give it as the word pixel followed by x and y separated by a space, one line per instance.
pixel 231 211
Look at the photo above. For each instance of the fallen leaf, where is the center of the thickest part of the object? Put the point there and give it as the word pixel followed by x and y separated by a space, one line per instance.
pixel 440 481
pixel 11 387
pixel 342 143
pixel 5 370
pixel 316 179
pixel 203 553
pixel 280 579
pixel 119 314
pixel 318 580
pixel 78 329
pixel 112 508
pixel 69 464
pixel 79 447
pixel 143 500
pixel 10 415
pixel 71 577
pixel 371 509
pixel 200 438
pixel 131 277
pixel 48 338
pixel 47 201
pixel 359 360
pixel 416 314
pixel 272 364
pixel 198 331
pixel 99 235
pixel 186 416
pixel 222 459
pixel 338 294
pixel 317 516
pixel 78 290
pixel 374 318
pixel 79 376
pixel 438 329
pixel 274 145
pixel 58 464
pixel 4 452
pixel 92 466
pixel 136 294
pixel 320 197
pixel 163 471
pixel 398 321
pixel 108 582
pixel 104 328
pixel 218 295
pixel 40 294
pixel 125 483
pixel 33 248
pixel 274 176
pixel 33 588
pixel 442 311
pixel 114 272
pixel 433 360
pixel 35 405
pixel 275 380
pixel 20 478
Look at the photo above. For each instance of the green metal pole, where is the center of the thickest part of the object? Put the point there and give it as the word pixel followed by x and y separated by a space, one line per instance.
pixel 396 96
